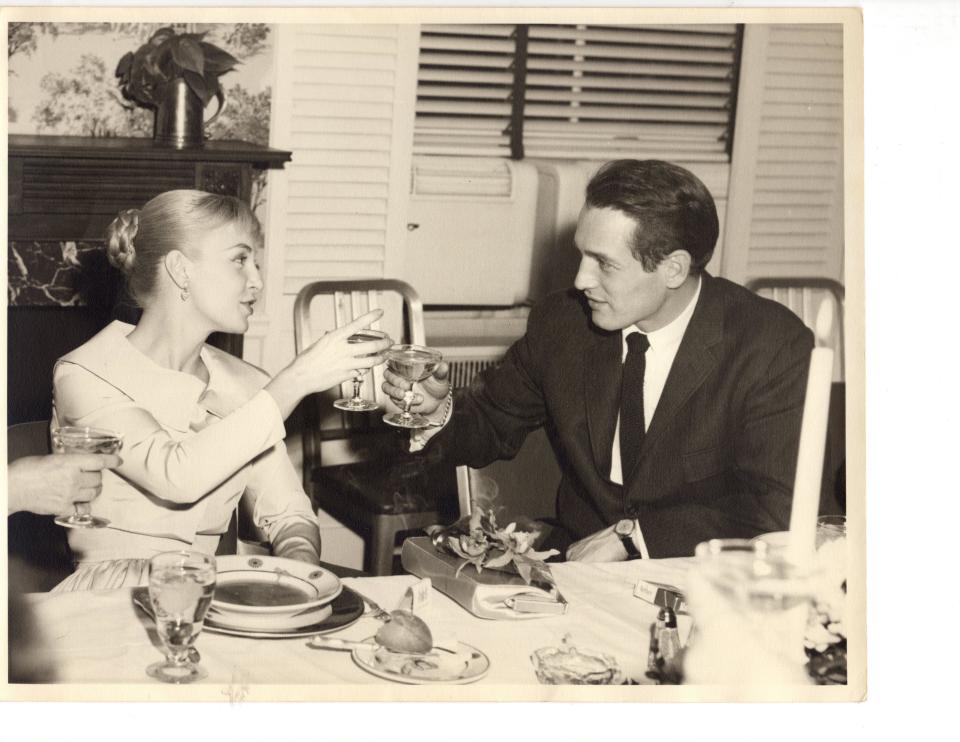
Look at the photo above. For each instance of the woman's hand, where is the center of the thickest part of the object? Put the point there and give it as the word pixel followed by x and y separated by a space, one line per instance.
pixel 330 361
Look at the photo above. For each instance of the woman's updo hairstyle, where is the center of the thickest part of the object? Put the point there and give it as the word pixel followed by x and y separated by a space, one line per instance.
pixel 138 239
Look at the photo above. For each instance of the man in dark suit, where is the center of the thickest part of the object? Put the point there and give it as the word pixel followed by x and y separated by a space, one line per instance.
pixel 674 398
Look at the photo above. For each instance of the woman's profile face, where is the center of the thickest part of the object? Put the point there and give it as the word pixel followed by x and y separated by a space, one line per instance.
pixel 225 277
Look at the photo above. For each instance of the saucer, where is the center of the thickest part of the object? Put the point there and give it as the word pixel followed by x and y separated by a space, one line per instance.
pixel 466 665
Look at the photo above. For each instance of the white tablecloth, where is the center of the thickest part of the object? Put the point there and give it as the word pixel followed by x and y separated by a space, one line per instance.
pixel 101 637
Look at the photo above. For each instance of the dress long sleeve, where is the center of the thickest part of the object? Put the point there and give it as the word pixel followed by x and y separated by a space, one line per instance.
pixel 171 468
pixel 281 509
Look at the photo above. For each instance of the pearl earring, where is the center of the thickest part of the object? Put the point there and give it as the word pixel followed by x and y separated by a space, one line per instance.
pixel 185 292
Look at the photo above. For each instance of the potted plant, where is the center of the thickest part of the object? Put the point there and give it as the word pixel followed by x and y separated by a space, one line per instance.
pixel 177 74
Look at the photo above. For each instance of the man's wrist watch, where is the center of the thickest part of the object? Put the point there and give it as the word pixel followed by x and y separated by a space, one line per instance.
pixel 624 529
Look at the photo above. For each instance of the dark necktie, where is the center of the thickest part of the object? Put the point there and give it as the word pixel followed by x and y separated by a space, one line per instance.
pixel 631 403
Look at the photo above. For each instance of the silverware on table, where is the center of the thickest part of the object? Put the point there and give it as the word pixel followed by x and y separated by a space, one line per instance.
pixel 336 643
pixel 376 610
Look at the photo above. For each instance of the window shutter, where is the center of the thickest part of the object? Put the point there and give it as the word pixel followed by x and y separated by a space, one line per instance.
pixel 339 91
pixel 786 212
pixel 463 90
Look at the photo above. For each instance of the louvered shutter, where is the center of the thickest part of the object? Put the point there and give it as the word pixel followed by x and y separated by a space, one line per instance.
pixel 786 197
pixel 603 92
pixel 463 90
pixel 342 83
pixel 341 103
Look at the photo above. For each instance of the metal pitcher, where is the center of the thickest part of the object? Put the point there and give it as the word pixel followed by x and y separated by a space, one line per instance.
pixel 179 117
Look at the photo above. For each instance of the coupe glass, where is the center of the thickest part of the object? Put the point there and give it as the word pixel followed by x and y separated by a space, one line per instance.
pixel 84 440
pixel 358 403
pixel 181 588
pixel 414 363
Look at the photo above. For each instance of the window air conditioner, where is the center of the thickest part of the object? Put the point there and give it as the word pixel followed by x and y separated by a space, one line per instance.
pixel 470 230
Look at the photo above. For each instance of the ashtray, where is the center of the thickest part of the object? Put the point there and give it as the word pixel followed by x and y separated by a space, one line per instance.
pixel 567 665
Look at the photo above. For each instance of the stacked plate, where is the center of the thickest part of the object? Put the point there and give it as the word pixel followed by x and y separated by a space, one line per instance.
pixel 271 594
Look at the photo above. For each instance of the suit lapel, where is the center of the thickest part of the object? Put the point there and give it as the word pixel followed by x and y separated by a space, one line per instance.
pixel 602 369
pixel 694 361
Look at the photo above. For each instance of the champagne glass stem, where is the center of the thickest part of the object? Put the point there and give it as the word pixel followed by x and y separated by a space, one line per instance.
pixel 407 402
pixel 79 516
pixel 357 383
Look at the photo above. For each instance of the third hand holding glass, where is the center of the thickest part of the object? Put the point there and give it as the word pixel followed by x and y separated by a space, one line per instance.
pixel 84 440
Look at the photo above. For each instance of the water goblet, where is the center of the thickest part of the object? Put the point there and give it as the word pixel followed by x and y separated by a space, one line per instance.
pixel 358 403
pixel 181 589
pixel 414 363
pixel 70 439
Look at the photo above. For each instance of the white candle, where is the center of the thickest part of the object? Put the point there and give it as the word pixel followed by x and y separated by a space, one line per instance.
pixel 813 436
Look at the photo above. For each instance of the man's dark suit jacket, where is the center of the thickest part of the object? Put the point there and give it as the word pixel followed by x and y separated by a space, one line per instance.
pixel 719 457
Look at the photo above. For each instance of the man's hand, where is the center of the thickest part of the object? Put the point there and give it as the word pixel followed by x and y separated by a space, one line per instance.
pixel 50 485
pixel 428 395
pixel 602 546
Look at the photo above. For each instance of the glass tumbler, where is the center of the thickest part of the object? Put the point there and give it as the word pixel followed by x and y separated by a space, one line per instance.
pixel 181 590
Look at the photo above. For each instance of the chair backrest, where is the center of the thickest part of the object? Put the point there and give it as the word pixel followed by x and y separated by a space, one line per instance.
pixel 37 547
pixel 324 305
pixel 803 297
pixel 525 485
pixel 28 439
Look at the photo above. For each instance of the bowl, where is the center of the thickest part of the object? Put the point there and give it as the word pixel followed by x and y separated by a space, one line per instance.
pixel 264 593
pixel 568 665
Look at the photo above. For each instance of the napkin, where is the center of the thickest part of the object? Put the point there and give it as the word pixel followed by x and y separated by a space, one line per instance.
pixel 491 593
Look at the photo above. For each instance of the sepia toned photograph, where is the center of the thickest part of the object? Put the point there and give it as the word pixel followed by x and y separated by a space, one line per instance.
pixel 399 354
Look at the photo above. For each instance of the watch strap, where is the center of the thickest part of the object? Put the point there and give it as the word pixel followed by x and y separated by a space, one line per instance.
pixel 632 551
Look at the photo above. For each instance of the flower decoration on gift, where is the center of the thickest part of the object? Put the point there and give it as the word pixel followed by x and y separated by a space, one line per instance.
pixel 480 541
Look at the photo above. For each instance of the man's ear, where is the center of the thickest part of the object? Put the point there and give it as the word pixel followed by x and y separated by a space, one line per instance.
pixel 177 267
pixel 676 268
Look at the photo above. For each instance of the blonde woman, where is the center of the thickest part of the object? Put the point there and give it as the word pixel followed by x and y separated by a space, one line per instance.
pixel 200 427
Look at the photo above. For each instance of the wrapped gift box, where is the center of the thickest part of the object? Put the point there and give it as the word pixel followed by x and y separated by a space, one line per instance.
pixel 492 593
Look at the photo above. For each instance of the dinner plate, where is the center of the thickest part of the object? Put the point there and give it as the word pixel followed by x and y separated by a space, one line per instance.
pixel 265 593
pixel 346 609
pixel 467 665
